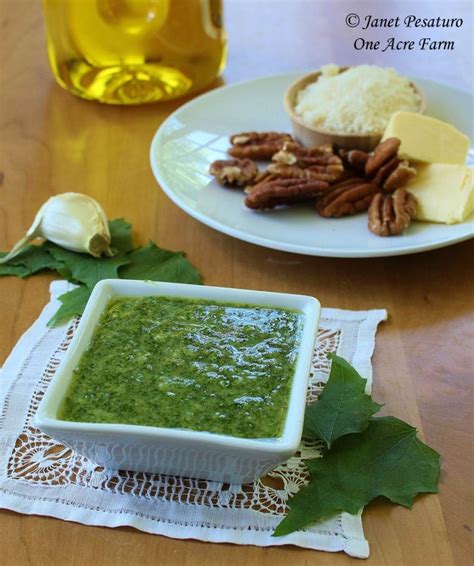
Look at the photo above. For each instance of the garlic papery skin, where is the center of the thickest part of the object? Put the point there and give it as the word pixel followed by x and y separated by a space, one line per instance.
pixel 73 221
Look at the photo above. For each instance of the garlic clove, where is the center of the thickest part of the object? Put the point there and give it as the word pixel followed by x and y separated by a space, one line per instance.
pixel 73 221
pixel 76 222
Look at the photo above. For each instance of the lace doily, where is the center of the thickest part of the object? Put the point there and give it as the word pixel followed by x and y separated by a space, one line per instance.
pixel 40 476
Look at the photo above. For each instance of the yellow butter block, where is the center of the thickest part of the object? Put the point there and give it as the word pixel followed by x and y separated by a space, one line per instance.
pixel 427 139
pixel 445 192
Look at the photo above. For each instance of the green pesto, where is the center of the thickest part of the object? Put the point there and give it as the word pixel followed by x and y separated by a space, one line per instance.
pixel 184 363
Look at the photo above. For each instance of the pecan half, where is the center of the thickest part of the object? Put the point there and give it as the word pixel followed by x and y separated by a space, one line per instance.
pixel 292 153
pixel 257 145
pixel 354 159
pixel 349 197
pixel 317 162
pixel 331 172
pixel 399 177
pixel 386 169
pixel 383 153
pixel 277 192
pixel 391 214
pixel 234 172
pixel 260 179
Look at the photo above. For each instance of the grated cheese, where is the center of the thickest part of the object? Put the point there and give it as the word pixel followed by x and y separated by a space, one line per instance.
pixel 359 100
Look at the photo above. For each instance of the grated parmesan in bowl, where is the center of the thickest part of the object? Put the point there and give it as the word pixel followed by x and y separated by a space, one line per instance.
pixel 359 100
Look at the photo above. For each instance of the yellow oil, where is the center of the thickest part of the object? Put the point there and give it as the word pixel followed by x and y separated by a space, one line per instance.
pixel 134 51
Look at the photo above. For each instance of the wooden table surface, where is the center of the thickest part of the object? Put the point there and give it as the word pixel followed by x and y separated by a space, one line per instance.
pixel 52 142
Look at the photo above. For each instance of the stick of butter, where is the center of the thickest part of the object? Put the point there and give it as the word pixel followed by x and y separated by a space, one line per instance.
pixel 445 192
pixel 427 139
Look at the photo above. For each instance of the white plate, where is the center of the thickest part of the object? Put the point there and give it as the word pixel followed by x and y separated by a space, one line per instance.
pixel 197 134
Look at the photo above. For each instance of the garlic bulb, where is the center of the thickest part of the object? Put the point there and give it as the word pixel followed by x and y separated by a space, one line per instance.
pixel 71 220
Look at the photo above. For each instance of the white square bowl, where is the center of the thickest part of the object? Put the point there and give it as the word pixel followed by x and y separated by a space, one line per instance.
pixel 177 451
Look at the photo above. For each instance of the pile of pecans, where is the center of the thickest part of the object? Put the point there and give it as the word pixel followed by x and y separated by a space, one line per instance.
pixel 338 182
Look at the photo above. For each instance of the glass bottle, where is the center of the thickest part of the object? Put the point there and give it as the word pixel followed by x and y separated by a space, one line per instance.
pixel 134 51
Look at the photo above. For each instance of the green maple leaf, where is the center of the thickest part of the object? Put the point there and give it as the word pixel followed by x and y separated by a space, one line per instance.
pixel 121 234
pixel 387 459
pixel 84 268
pixel 343 406
pixel 30 260
pixel 35 258
pixel 73 304
pixel 10 269
pixel 156 264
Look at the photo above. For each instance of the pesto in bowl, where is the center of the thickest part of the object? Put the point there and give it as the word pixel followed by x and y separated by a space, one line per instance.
pixel 172 362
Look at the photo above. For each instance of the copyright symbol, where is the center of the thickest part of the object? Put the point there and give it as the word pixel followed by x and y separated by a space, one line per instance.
pixel 352 20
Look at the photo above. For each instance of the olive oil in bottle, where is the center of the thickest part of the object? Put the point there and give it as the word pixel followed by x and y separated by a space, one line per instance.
pixel 134 51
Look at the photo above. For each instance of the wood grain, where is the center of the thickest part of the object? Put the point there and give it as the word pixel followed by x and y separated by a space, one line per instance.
pixel 52 142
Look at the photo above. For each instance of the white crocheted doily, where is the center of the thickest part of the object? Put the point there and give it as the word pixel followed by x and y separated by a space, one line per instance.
pixel 39 476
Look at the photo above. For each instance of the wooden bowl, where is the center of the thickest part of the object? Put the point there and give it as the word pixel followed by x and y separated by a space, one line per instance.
pixel 312 135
